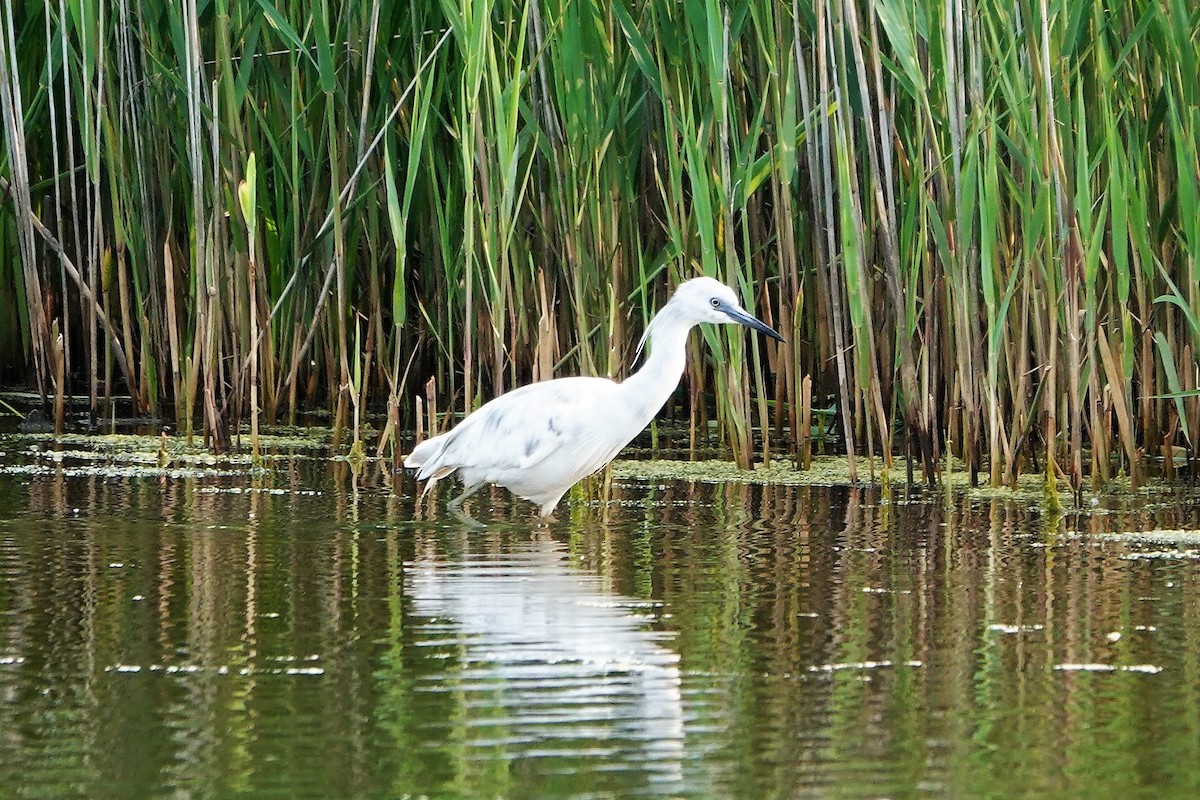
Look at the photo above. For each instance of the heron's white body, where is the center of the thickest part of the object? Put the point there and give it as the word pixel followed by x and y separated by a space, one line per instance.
pixel 539 440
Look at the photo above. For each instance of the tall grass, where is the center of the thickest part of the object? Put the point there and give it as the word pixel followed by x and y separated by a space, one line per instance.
pixel 977 222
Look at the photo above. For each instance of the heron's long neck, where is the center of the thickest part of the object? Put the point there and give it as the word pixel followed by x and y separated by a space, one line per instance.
pixel 651 386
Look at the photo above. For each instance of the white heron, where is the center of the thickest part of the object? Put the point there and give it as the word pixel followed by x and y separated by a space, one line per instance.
pixel 539 440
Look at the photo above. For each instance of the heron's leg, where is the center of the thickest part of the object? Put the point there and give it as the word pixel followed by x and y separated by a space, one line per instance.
pixel 547 510
pixel 455 507
pixel 470 490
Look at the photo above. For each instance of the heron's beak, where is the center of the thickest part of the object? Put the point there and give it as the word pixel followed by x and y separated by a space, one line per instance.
pixel 741 317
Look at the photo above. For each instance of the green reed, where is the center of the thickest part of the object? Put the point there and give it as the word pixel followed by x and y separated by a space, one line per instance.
pixel 976 222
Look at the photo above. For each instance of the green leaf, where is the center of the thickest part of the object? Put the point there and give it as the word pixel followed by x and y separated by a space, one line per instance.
pixel 248 197
pixel 904 43
pixel 396 222
pixel 1167 359
pixel 325 68
pixel 284 29
pixel 638 48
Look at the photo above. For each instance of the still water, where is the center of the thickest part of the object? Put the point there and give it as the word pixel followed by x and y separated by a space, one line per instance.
pixel 307 633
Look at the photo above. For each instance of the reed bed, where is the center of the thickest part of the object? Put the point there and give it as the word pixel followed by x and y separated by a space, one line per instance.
pixel 976 222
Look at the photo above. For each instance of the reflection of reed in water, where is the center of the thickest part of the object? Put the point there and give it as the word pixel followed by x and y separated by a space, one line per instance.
pixel 572 668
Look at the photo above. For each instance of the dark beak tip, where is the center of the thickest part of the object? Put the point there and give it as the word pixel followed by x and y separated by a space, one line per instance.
pixel 749 321
pixel 768 330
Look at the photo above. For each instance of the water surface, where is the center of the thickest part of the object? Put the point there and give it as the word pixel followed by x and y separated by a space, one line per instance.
pixel 307 633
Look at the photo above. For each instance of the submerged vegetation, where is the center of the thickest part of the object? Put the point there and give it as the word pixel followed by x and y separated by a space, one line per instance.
pixel 976 222
pixel 835 471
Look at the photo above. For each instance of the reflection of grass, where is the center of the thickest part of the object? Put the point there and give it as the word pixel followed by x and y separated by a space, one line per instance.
pixel 6 409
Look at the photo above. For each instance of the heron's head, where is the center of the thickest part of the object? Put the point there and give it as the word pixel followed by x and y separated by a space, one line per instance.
pixel 709 300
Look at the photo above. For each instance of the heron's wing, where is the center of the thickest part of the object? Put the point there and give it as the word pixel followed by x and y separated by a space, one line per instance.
pixel 569 418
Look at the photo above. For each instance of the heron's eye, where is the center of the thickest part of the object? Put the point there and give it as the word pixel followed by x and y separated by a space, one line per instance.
pixel 715 303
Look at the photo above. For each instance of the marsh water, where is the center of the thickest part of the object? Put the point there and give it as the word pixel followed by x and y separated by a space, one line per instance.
pixel 309 632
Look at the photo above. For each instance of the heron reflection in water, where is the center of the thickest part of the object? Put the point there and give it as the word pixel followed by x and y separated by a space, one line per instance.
pixel 548 661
